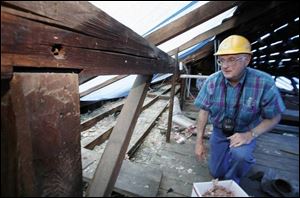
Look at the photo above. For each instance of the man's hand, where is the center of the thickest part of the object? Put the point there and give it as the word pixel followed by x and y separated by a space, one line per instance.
pixel 200 151
pixel 238 139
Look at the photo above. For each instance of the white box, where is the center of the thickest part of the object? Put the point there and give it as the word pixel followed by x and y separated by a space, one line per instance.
pixel 199 188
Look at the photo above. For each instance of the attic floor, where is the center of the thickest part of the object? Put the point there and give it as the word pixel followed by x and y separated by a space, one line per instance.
pixel 275 153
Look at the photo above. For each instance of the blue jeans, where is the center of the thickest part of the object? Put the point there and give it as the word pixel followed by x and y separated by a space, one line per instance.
pixel 229 163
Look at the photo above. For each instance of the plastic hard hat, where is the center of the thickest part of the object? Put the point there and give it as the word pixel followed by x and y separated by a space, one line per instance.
pixel 234 44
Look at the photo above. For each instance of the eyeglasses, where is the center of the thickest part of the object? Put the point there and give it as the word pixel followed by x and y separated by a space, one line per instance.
pixel 230 61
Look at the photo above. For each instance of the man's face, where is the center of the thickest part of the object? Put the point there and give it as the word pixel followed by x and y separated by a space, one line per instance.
pixel 232 66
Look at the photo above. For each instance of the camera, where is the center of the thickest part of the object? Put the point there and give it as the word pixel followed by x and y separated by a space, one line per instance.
pixel 228 126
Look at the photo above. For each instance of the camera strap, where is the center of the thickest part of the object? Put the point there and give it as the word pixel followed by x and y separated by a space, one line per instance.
pixel 237 105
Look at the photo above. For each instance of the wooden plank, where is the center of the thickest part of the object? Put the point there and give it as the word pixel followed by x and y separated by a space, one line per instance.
pixel 106 83
pixel 135 143
pixel 227 25
pixel 133 180
pixel 92 121
pixel 93 43
pixel 138 180
pixel 291 115
pixel 282 128
pixel 114 153
pixel 91 142
pixel 47 161
pixel 190 20
pixel 199 54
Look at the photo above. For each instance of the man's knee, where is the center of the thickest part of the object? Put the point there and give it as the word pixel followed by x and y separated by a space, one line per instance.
pixel 240 156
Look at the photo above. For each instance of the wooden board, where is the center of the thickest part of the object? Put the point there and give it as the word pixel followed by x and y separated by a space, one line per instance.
pixel 138 180
pixel 134 179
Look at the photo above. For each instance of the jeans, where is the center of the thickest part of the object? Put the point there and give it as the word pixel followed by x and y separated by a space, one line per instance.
pixel 229 163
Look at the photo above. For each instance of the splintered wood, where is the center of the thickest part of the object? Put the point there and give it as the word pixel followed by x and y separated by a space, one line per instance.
pixel 218 191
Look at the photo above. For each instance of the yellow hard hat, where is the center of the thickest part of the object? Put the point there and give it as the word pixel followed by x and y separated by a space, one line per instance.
pixel 234 44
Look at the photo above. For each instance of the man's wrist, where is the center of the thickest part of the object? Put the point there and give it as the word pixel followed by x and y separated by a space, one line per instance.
pixel 253 134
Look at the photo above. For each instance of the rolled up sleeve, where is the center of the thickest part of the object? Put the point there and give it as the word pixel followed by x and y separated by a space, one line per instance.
pixel 272 103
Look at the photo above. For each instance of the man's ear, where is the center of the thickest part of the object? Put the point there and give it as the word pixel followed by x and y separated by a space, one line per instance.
pixel 248 59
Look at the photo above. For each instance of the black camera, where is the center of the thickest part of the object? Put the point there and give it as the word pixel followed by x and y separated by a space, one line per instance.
pixel 228 126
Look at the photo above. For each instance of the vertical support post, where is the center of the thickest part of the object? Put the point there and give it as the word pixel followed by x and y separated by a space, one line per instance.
pixel 40 125
pixel 174 78
pixel 110 163
pixel 182 92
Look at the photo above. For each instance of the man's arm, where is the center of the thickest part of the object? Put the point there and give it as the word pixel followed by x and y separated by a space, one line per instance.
pixel 200 149
pixel 266 125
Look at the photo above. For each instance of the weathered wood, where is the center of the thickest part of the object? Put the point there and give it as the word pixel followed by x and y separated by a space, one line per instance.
pixel 281 128
pixel 138 180
pixel 44 132
pixel 9 161
pixel 135 143
pixel 190 20
pixel 114 153
pixel 199 54
pixel 229 24
pixel 43 35
pixel 92 121
pixel 91 142
pixel 170 115
pixel 132 180
pixel 291 115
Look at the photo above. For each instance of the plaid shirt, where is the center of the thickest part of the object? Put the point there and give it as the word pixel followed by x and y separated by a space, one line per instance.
pixel 260 99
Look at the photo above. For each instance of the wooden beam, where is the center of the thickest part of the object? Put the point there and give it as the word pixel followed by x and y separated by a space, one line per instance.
pixel 190 20
pixel 40 122
pixel 227 25
pixel 109 166
pixel 199 54
pixel 84 39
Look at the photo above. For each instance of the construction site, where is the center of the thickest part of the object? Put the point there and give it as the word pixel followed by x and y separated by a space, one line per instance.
pixel 91 106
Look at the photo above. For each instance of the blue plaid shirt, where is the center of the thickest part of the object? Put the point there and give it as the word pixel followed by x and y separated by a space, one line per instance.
pixel 260 99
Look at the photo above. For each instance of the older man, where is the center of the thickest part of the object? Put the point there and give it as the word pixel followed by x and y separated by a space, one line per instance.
pixel 242 103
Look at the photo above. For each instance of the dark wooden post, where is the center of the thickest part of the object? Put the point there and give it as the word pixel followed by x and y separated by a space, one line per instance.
pixel 40 137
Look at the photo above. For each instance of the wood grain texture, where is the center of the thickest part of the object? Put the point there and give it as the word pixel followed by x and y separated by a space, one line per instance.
pixel 85 39
pixel 47 142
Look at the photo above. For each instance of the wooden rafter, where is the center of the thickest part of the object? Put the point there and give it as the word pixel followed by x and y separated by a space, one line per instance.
pixel 229 24
pixel 92 43
pixel 190 20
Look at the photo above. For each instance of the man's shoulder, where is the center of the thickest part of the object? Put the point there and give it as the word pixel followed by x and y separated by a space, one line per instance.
pixel 214 77
pixel 255 73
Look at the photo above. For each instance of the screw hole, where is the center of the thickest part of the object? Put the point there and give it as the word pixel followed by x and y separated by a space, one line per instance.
pixel 56 49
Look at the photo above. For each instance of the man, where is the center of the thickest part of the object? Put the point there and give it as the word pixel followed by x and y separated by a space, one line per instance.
pixel 242 103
